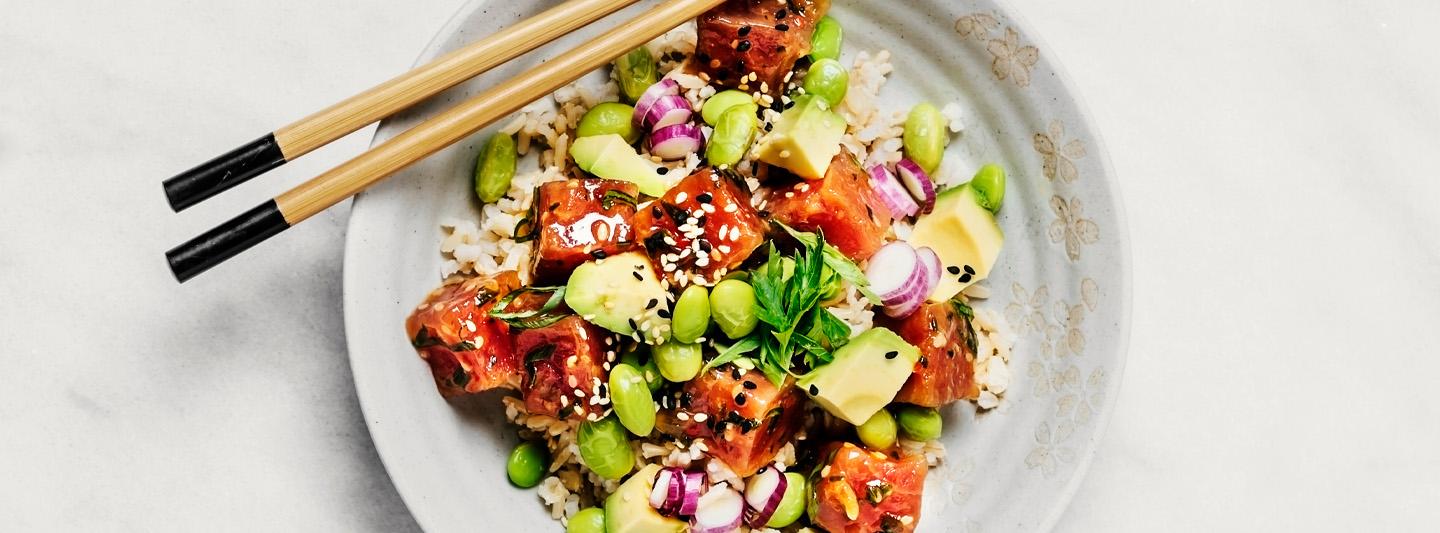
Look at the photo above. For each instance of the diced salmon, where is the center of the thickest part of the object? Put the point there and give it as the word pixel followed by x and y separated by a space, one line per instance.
pixel 842 205
pixel 725 231
pixel 579 220
pixel 467 351
pixel 564 367
pixel 859 491
pixel 743 417
pixel 946 370
pixel 763 37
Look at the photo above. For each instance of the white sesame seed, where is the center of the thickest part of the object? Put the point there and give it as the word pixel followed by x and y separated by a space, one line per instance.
pixel 680 197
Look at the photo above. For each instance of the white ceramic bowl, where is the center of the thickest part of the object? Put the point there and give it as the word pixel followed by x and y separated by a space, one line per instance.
pixel 1062 282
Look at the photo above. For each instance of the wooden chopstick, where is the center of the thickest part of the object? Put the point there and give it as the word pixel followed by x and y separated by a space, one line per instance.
pixel 449 127
pixel 292 141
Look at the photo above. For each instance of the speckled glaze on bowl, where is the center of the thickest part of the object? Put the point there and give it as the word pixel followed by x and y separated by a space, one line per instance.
pixel 1062 282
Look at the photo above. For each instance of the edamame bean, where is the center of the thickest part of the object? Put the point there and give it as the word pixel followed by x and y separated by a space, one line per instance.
pixel 825 42
pixel 692 315
pixel 630 397
pixel 527 464
pixel 919 423
pixel 926 134
pixel 648 370
pixel 792 504
pixel 495 168
pixel 678 362
pixel 989 185
pixel 605 448
pixel 827 80
pixel 878 433
pixel 590 520
pixel 724 100
pixel 732 307
pixel 636 72
pixel 607 118
pixel 732 136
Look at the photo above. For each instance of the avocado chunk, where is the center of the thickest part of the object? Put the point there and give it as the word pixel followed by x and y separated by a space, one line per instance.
pixel 610 157
pixel 864 377
pixel 628 509
pixel 620 293
pixel 805 139
pixel 965 236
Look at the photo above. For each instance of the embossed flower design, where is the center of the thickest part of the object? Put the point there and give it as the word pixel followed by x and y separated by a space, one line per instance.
pixel 1050 450
pixel 1071 317
pixel 1026 313
pixel 1071 226
pixel 1084 399
pixel 1057 156
pixel 976 26
pixel 1013 61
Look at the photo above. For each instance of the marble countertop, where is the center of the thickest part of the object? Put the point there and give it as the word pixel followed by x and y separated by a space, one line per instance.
pixel 1277 160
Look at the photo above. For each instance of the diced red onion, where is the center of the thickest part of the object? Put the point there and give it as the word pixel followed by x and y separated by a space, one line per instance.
pixel 721 510
pixel 673 143
pixel 891 192
pixel 692 488
pixel 900 277
pixel 919 184
pixel 763 494
pixel 932 262
pixel 669 110
pixel 660 495
pixel 665 87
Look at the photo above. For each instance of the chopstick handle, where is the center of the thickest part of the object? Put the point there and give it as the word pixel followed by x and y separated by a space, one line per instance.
pixel 325 126
pixel 218 175
pixel 226 240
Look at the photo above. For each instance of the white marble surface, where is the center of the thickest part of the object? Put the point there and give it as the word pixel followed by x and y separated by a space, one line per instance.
pixel 1278 161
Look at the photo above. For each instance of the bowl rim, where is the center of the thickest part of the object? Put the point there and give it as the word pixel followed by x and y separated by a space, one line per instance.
pixel 1110 180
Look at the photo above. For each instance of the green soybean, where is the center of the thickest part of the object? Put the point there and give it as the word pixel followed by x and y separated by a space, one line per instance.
pixel 919 423
pixel 636 72
pixel 648 370
pixel 724 100
pixel 590 520
pixel 678 361
pixel 926 133
pixel 732 307
pixel 792 504
pixel 630 396
pixel 825 42
pixel 527 464
pixel 495 168
pixel 827 80
pixel 878 433
pixel 607 118
pixel 732 136
pixel 691 316
pixel 605 448
pixel 989 185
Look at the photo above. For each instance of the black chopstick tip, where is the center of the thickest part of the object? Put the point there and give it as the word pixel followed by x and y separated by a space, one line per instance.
pixel 220 174
pixel 225 241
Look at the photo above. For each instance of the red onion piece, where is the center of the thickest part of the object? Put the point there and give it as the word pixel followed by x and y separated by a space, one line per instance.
pixel 932 262
pixel 918 183
pixel 763 494
pixel 899 276
pixel 721 511
pixel 668 110
pixel 665 87
pixel 891 192
pixel 660 495
pixel 692 488
pixel 673 143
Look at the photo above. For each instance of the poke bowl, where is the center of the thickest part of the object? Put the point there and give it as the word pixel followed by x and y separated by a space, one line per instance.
pixel 801 266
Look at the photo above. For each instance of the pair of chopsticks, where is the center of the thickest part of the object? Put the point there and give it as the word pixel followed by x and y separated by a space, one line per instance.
pixel 321 192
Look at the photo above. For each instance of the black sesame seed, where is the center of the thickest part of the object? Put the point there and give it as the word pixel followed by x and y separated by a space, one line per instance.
pixel 744 30
pixel 638 277
pixel 599 254
pixel 744 46
pixel 768 127
pixel 704 245
pixel 750 385
pixel 735 373
pixel 604 390
pixel 685 399
pixel 764 213
pixel 814 391
pixel 653 302
pixel 924 362
pixel 740 399
pixel 782 27
pixel 662 171
pixel 664 313
pixel 704 198
pixel 969 270
pixel 965 278
pixel 554 206
pixel 892 354
pixel 953 270
pixel 781 14
pixel 789 104
pixel 632 323
pixel 780 49
pixel 656 210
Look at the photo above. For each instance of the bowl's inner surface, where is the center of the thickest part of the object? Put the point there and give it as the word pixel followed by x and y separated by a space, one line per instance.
pixel 1061 281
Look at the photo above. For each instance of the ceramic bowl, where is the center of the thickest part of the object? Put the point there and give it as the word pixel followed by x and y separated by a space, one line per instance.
pixel 1062 282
